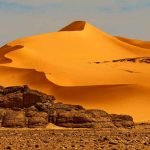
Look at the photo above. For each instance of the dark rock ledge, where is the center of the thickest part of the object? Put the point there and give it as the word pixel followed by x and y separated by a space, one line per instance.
pixel 145 60
pixel 22 107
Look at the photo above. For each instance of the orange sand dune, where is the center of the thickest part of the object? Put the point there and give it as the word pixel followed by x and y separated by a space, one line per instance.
pixel 138 43
pixel 61 63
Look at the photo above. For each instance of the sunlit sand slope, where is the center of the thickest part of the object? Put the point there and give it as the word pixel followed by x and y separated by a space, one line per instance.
pixel 68 64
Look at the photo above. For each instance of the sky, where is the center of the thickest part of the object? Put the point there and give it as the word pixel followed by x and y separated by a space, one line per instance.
pixel 21 18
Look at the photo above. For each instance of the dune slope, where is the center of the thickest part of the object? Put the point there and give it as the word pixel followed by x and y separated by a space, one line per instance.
pixel 138 43
pixel 68 65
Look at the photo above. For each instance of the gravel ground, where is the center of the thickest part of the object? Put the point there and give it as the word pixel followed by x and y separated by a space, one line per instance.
pixel 30 139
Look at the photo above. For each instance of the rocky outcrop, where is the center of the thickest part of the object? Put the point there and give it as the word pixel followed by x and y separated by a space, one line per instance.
pixel 13 89
pixel 21 107
pixel 67 107
pixel 80 118
pixel 11 100
pixel 31 97
pixel 37 119
pixel 14 119
pixel 101 118
pixel 72 119
pixel 22 97
pixel 122 121
pixel 2 113
pixel 31 104
pixel 145 60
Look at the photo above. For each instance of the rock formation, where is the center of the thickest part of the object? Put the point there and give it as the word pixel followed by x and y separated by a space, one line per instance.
pixel 80 118
pixel 21 107
pixel 14 119
pixel 122 121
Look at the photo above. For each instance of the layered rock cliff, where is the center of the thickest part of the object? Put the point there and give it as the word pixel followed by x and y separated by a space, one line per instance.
pixel 22 107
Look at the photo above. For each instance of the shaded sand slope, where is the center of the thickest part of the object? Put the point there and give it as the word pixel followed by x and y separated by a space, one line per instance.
pixel 60 63
pixel 138 43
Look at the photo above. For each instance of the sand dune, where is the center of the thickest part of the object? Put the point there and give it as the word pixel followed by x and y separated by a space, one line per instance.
pixel 138 43
pixel 60 63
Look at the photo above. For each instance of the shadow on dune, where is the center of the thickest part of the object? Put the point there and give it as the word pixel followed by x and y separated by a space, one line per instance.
pixel 75 26
pixel 6 49
pixel 122 98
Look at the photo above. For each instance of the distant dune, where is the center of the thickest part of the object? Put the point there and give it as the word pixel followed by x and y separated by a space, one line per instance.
pixel 138 43
pixel 67 64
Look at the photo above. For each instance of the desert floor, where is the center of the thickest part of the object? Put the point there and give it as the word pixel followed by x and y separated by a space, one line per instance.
pixel 79 139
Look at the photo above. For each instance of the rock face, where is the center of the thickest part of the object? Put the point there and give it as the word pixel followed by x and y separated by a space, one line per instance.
pixel 122 121
pixel 130 60
pixel 13 89
pixel 101 118
pixel 37 119
pixel 22 97
pixel 13 119
pixel 2 113
pixel 11 100
pixel 31 97
pixel 24 107
pixel 79 118
pixel 67 107
pixel 72 119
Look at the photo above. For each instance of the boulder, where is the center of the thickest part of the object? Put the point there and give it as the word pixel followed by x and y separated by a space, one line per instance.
pixel 37 119
pixel 71 119
pixel 31 97
pixel 58 109
pixel 66 107
pixel 43 106
pixel 122 121
pixel 32 108
pixel 22 96
pixel 80 118
pixel 13 89
pixel 101 118
pixel 2 113
pixel 11 100
pixel 14 119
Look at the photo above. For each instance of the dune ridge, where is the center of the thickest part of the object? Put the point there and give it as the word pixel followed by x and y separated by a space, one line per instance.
pixel 138 43
pixel 58 63
pixel 75 26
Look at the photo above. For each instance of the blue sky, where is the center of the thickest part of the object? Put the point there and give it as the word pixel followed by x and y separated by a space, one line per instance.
pixel 19 18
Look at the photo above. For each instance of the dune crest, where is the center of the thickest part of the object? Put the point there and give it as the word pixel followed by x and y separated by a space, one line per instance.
pixel 67 64
pixel 75 26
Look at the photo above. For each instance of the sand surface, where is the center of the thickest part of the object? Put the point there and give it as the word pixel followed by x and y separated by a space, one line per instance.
pixel 74 139
pixel 63 64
